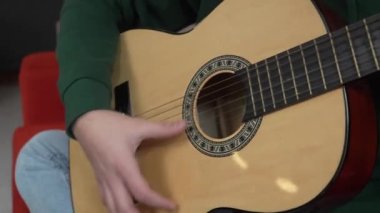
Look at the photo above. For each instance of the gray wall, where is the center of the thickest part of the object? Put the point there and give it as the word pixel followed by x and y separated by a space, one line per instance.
pixel 26 26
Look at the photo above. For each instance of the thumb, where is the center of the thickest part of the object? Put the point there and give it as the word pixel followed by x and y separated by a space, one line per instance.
pixel 161 130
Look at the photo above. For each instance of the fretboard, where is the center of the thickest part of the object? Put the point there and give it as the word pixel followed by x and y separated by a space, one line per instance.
pixel 314 67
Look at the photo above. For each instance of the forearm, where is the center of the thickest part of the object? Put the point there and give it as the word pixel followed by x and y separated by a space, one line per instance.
pixel 86 48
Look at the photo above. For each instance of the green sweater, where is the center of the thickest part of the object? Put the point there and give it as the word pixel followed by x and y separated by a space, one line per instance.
pixel 89 37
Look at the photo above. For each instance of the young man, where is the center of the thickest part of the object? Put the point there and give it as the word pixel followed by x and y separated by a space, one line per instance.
pixel 86 49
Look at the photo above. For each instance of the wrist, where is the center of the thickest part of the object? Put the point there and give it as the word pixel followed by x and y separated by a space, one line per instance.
pixel 86 119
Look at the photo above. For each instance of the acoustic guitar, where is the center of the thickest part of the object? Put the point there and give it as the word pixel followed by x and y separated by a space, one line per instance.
pixel 276 117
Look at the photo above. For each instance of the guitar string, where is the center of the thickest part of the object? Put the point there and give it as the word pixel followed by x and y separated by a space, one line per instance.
pixel 238 108
pixel 341 31
pixel 304 48
pixel 229 78
pixel 234 76
pixel 304 83
pixel 297 77
pixel 259 108
pixel 290 89
pixel 266 66
pixel 244 89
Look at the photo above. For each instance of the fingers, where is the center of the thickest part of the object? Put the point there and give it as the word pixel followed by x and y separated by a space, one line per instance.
pixel 140 189
pixel 108 199
pixel 116 197
pixel 119 190
pixel 122 199
pixel 155 130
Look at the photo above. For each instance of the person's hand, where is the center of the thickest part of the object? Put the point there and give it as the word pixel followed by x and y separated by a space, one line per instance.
pixel 110 140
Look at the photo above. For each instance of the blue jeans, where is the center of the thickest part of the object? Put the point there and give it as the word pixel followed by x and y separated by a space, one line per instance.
pixel 42 173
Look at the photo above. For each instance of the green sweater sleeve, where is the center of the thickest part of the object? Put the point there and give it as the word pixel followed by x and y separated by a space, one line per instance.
pixel 86 48
pixel 354 10
pixel 89 37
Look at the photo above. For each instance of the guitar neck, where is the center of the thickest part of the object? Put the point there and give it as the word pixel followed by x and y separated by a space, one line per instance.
pixel 313 68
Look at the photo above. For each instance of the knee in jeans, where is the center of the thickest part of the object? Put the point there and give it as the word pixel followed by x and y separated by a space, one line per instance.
pixel 39 146
pixel 37 143
pixel 43 158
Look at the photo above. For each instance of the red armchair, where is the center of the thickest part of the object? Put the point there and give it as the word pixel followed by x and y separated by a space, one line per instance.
pixel 41 106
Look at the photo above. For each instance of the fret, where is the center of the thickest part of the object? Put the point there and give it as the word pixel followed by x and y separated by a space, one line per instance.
pixel 270 83
pixel 371 44
pixel 281 81
pixel 344 55
pixel 292 71
pixel 362 48
pixel 265 86
pixel 300 79
pixel 320 64
pixel 287 79
pixel 326 54
pixel 260 87
pixel 306 70
pixel 352 51
pixel 251 92
pixel 257 94
pixel 275 79
pixel 336 59
pixel 374 30
pixel 317 83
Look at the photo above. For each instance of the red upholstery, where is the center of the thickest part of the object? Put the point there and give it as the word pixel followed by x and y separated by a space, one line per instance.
pixel 38 87
pixel 41 106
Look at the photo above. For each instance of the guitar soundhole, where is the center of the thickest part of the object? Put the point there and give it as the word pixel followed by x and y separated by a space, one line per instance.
pixel 214 108
pixel 220 105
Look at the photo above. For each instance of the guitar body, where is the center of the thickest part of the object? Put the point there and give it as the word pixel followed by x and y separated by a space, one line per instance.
pixel 300 157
